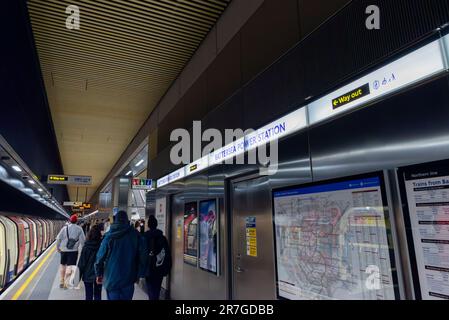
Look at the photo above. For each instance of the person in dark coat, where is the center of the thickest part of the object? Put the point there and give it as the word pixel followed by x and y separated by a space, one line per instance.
pixel 121 259
pixel 159 259
pixel 87 261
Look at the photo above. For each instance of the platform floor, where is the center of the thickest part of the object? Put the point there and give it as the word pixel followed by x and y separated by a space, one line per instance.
pixel 41 282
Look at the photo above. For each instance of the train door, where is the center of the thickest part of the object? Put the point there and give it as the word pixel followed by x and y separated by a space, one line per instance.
pixel 27 243
pixel 12 251
pixel 20 244
pixel 45 243
pixel 52 228
pixel 3 258
pixel 32 231
pixel 38 237
pixel 253 267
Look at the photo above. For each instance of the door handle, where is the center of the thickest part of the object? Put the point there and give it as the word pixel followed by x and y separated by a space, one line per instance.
pixel 238 269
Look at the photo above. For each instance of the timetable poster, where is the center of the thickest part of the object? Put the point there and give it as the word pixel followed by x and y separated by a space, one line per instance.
pixel 208 236
pixel 191 233
pixel 427 222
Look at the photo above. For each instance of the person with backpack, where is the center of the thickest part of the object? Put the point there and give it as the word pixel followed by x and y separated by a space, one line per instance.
pixel 68 242
pixel 159 259
pixel 86 263
pixel 120 262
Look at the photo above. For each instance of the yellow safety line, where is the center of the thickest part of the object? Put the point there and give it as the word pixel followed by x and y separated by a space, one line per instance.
pixel 31 277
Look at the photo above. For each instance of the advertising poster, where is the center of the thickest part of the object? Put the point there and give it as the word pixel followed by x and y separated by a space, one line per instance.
pixel 208 236
pixel 332 241
pixel 161 214
pixel 191 233
pixel 426 216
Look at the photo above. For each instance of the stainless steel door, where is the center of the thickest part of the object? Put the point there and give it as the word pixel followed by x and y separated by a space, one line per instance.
pixel 253 272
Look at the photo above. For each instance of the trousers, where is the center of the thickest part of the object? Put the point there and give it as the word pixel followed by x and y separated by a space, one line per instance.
pixel 125 293
pixel 93 290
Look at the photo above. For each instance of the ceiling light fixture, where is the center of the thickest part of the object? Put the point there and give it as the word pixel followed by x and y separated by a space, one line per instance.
pixel 31 182
pixel 139 163
pixel 40 190
pixel 129 172
pixel 17 168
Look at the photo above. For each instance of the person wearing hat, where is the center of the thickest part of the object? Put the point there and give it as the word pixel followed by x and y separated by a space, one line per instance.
pixel 68 242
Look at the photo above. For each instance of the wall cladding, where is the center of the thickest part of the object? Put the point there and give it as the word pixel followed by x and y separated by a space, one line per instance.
pixel 333 53
pixel 344 46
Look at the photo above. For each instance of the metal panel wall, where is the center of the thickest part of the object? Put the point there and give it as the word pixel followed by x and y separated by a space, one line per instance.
pixel 188 282
pixel 409 128
pixel 344 46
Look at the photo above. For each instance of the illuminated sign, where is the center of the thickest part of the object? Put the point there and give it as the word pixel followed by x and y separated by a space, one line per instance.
pixel 69 180
pixel 142 184
pixel 178 174
pixel 58 178
pixel 408 70
pixel 446 45
pixel 72 204
pixel 351 96
pixel 162 182
pixel 197 165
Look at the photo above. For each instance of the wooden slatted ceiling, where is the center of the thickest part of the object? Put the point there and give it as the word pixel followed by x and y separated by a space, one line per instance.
pixel 103 80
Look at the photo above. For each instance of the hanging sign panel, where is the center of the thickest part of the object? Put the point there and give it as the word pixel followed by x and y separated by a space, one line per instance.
pixel 142 184
pixel 333 241
pixel 69 180
pixel 425 193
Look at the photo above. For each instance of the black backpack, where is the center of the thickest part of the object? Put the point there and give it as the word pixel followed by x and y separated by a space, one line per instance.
pixel 159 256
pixel 70 242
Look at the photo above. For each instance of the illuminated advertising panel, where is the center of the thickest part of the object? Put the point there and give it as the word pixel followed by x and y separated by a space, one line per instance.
pixel 191 233
pixel 208 248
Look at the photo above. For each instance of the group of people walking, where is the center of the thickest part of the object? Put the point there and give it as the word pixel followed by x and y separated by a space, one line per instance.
pixel 115 259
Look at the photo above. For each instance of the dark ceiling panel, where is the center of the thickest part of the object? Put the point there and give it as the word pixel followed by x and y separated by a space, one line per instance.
pixel 271 31
pixel 25 120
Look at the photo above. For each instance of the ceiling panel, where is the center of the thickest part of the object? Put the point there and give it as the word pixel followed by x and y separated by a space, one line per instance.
pixel 103 80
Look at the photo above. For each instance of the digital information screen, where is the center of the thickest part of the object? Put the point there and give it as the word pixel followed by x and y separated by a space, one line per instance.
pixel 425 191
pixel 333 241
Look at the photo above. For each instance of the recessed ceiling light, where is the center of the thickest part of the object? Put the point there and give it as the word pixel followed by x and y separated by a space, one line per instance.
pixel 139 163
pixel 128 173
pixel 17 168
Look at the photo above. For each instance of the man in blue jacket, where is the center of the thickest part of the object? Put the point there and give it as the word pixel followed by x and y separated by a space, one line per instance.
pixel 121 259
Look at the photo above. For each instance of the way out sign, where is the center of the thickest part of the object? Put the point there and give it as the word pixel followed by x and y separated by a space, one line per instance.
pixel 69 180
